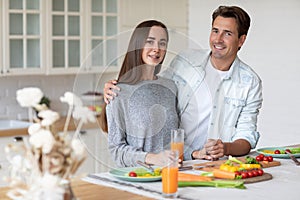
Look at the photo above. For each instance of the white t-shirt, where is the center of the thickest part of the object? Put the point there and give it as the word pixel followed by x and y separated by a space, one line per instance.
pixel 200 106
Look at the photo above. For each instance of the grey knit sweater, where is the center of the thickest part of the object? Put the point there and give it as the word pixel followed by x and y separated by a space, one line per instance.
pixel 140 120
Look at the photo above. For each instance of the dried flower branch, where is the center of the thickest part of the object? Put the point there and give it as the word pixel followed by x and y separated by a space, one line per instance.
pixel 46 156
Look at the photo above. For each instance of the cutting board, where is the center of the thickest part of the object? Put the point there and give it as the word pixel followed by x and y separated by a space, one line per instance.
pixel 216 164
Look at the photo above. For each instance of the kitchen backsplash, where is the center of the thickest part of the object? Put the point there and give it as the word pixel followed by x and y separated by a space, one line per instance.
pixel 53 86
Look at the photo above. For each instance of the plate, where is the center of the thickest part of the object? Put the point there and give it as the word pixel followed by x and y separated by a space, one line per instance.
pixel 263 151
pixel 121 173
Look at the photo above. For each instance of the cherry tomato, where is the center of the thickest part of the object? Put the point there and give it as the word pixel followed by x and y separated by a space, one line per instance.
pixel 244 175
pixel 132 174
pixel 258 158
pixel 237 173
pixel 261 155
pixel 260 172
pixel 288 150
pixel 255 173
pixel 270 158
pixel 266 159
pixel 250 174
pixel 277 151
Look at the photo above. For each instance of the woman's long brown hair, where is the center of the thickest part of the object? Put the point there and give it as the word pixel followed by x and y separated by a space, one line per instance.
pixel 130 72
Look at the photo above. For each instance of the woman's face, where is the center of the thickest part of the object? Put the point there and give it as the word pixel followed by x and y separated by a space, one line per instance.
pixel 156 46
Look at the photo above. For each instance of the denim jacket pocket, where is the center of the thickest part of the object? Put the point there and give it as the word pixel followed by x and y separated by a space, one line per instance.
pixel 232 110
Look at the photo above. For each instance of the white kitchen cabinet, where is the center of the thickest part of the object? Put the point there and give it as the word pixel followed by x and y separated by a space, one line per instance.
pixel 58 36
pixel 22 38
pixel 104 162
pixel 87 138
pixel 98 158
pixel 79 36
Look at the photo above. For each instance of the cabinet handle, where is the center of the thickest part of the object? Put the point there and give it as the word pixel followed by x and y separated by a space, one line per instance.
pixel 18 139
pixel 82 132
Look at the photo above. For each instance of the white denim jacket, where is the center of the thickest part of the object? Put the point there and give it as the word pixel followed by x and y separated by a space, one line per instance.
pixel 239 102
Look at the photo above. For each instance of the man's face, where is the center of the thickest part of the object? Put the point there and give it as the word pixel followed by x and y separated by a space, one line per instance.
pixel 224 40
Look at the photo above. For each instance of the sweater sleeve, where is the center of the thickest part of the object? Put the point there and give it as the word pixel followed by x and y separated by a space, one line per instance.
pixel 122 153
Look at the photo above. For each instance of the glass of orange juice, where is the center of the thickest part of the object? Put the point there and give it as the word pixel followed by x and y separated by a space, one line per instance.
pixel 177 142
pixel 170 174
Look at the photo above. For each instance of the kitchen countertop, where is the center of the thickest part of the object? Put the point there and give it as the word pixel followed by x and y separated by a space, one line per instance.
pixel 58 126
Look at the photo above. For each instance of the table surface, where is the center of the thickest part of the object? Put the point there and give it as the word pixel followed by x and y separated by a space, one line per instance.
pixel 87 191
pixel 285 183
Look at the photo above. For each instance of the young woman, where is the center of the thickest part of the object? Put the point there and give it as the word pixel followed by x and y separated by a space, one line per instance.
pixel 141 118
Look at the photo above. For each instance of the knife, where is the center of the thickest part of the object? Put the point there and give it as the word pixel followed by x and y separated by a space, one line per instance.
pixel 145 165
pixel 293 158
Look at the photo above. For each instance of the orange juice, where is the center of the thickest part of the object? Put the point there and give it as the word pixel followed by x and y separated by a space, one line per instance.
pixel 179 147
pixel 169 180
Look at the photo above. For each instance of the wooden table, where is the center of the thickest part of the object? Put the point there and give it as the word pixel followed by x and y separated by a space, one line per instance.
pixel 87 191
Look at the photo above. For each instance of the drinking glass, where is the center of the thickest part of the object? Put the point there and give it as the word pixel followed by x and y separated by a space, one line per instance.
pixel 177 142
pixel 170 174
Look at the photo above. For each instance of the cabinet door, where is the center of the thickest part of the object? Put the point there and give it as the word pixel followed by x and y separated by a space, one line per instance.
pixel 83 36
pixel 66 40
pixel 104 163
pixel 102 28
pixel 87 138
pixel 98 157
pixel 24 30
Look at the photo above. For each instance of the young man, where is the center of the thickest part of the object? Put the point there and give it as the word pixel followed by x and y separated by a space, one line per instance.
pixel 219 96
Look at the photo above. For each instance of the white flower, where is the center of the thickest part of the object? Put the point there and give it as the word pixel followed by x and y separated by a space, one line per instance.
pixel 50 188
pixel 17 161
pixel 77 147
pixel 34 128
pixel 84 114
pixel 48 117
pixel 40 107
pixel 29 97
pixel 42 139
pixel 71 99
pixel 49 180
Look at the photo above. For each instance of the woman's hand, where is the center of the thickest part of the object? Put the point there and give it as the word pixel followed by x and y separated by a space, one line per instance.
pixel 107 90
pixel 161 158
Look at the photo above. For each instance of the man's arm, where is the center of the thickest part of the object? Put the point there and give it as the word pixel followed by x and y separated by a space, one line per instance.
pixel 215 149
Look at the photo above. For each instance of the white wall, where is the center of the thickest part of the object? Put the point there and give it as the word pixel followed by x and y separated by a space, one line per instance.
pixel 53 86
pixel 272 49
